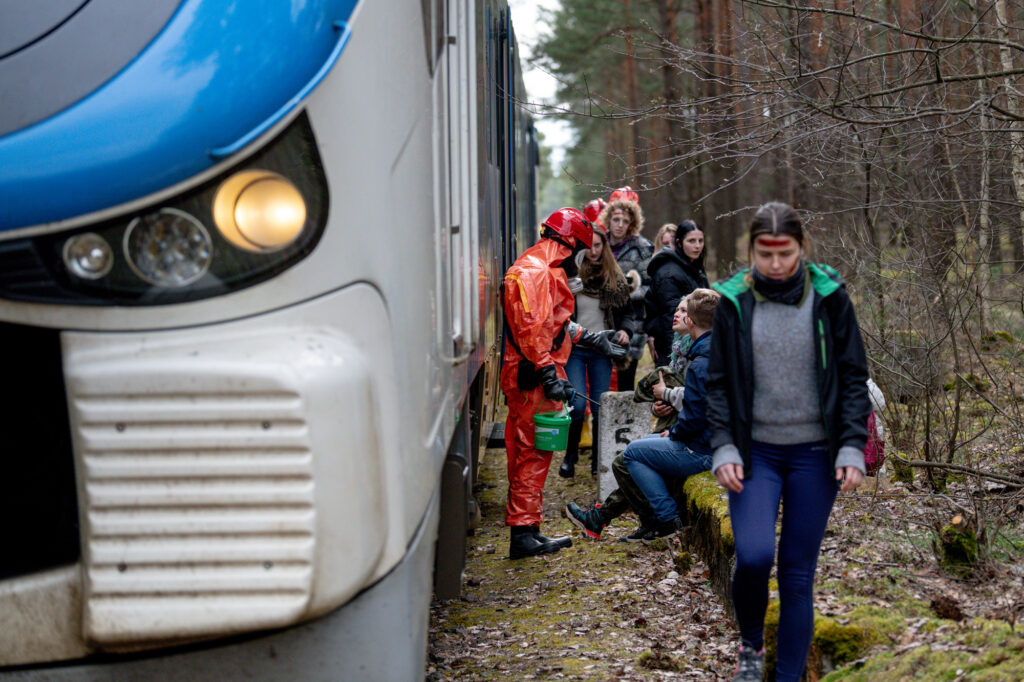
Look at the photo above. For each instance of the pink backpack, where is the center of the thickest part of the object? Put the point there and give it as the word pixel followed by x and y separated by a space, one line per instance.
pixel 874 451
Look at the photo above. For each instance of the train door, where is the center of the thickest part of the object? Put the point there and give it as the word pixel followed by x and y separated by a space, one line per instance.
pixel 457 277
pixel 456 269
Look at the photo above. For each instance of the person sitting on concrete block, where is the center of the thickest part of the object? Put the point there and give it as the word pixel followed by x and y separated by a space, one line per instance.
pixel 679 452
pixel 685 449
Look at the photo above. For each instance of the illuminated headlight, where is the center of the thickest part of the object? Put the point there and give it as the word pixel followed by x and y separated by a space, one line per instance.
pixel 259 211
pixel 168 248
pixel 88 255
pixel 240 227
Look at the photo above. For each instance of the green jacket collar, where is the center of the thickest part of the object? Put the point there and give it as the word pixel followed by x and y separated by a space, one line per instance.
pixel 823 278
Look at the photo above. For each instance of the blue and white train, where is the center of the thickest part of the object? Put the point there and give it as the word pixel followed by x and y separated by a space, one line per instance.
pixel 248 262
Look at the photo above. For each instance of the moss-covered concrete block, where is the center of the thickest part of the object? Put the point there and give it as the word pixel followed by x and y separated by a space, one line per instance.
pixel 704 507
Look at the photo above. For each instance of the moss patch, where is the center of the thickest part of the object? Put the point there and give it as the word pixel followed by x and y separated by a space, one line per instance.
pixel 986 651
pixel 705 507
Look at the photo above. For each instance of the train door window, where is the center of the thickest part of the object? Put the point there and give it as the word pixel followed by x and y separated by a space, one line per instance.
pixel 462 271
pixel 455 272
pixel 435 30
pixel 453 63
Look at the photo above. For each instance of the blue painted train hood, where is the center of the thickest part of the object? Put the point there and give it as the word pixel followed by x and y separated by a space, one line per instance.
pixel 219 73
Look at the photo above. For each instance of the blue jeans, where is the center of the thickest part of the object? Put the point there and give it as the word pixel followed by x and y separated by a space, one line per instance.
pixel 653 458
pixel 583 367
pixel 802 476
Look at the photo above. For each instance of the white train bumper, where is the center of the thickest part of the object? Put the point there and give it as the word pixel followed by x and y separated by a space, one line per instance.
pixel 231 478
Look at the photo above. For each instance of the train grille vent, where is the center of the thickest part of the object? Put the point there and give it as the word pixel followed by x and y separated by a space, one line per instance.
pixel 199 512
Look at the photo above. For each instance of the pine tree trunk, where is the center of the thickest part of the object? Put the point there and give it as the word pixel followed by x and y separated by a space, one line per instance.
pixel 1013 105
pixel 675 208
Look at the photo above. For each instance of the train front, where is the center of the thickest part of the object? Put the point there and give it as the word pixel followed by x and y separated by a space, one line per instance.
pixel 199 405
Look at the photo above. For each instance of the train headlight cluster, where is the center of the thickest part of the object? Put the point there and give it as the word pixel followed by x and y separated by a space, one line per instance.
pixel 242 226
pixel 259 211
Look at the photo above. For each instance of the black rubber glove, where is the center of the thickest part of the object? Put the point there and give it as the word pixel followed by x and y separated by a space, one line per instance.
pixel 555 387
pixel 600 341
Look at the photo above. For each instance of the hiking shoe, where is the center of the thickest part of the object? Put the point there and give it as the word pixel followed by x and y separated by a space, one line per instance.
pixel 587 520
pixel 638 535
pixel 750 667
pixel 662 529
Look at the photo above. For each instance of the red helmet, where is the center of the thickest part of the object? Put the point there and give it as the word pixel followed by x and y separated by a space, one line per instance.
pixel 570 222
pixel 593 209
pixel 626 193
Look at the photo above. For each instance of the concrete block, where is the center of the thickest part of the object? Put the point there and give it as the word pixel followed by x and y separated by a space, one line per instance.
pixel 622 422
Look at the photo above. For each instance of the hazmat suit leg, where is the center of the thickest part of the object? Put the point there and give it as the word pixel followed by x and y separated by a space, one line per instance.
pixel 527 466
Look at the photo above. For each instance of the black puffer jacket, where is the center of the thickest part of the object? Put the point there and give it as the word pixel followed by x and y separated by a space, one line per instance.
pixel 842 366
pixel 634 255
pixel 672 277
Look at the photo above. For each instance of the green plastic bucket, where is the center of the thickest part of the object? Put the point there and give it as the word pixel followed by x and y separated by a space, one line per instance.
pixel 551 430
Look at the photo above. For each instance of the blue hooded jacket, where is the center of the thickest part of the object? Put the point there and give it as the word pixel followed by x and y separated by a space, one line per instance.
pixel 692 427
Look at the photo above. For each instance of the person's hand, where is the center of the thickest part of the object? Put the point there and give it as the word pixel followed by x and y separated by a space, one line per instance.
pixel 555 387
pixel 848 478
pixel 730 476
pixel 603 344
pixel 662 409
pixel 622 338
pixel 650 346
pixel 664 434
pixel 599 341
pixel 658 389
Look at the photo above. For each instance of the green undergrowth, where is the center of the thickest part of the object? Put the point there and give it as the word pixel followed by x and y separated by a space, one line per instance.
pixel 981 650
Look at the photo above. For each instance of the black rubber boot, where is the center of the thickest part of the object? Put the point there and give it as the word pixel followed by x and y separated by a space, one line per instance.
pixel 527 541
pixel 572 450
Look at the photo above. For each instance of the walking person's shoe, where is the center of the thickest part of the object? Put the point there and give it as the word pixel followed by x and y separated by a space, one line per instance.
pixel 527 541
pixel 587 520
pixel 646 526
pixel 750 667
pixel 662 529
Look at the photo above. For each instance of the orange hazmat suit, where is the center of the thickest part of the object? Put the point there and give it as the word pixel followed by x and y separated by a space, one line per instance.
pixel 537 304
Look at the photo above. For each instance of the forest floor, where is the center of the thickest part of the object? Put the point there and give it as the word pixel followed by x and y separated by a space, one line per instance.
pixel 610 610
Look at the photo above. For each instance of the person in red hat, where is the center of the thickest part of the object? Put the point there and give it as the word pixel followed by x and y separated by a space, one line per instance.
pixel 625 193
pixel 592 211
pixel 538 304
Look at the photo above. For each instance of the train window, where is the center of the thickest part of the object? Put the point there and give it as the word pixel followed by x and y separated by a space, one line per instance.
pixel 428 33
pixel 440 28
pixel 435 30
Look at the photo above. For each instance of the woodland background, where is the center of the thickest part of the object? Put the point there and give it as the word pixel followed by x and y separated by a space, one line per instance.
pixel 897 128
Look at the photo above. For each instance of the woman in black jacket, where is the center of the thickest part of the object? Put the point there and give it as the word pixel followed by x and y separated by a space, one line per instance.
pixel 788 407
pixel 674 273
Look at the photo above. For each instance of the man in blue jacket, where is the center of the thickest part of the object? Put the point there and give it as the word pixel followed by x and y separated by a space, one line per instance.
pixel 685 449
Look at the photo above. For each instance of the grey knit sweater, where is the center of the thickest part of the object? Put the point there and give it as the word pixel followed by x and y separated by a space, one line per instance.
pixel 786 409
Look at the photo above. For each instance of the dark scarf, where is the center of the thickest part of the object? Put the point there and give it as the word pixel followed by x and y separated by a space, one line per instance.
pixel 611 291
pixel 617 249
pixel 789 291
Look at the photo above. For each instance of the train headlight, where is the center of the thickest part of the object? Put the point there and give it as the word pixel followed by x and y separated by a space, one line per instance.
pixel 245 225
pixel 88 255
pixel 259 211
pixel 169 248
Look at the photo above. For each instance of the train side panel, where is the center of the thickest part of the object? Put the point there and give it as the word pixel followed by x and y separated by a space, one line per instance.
pixel 255 460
